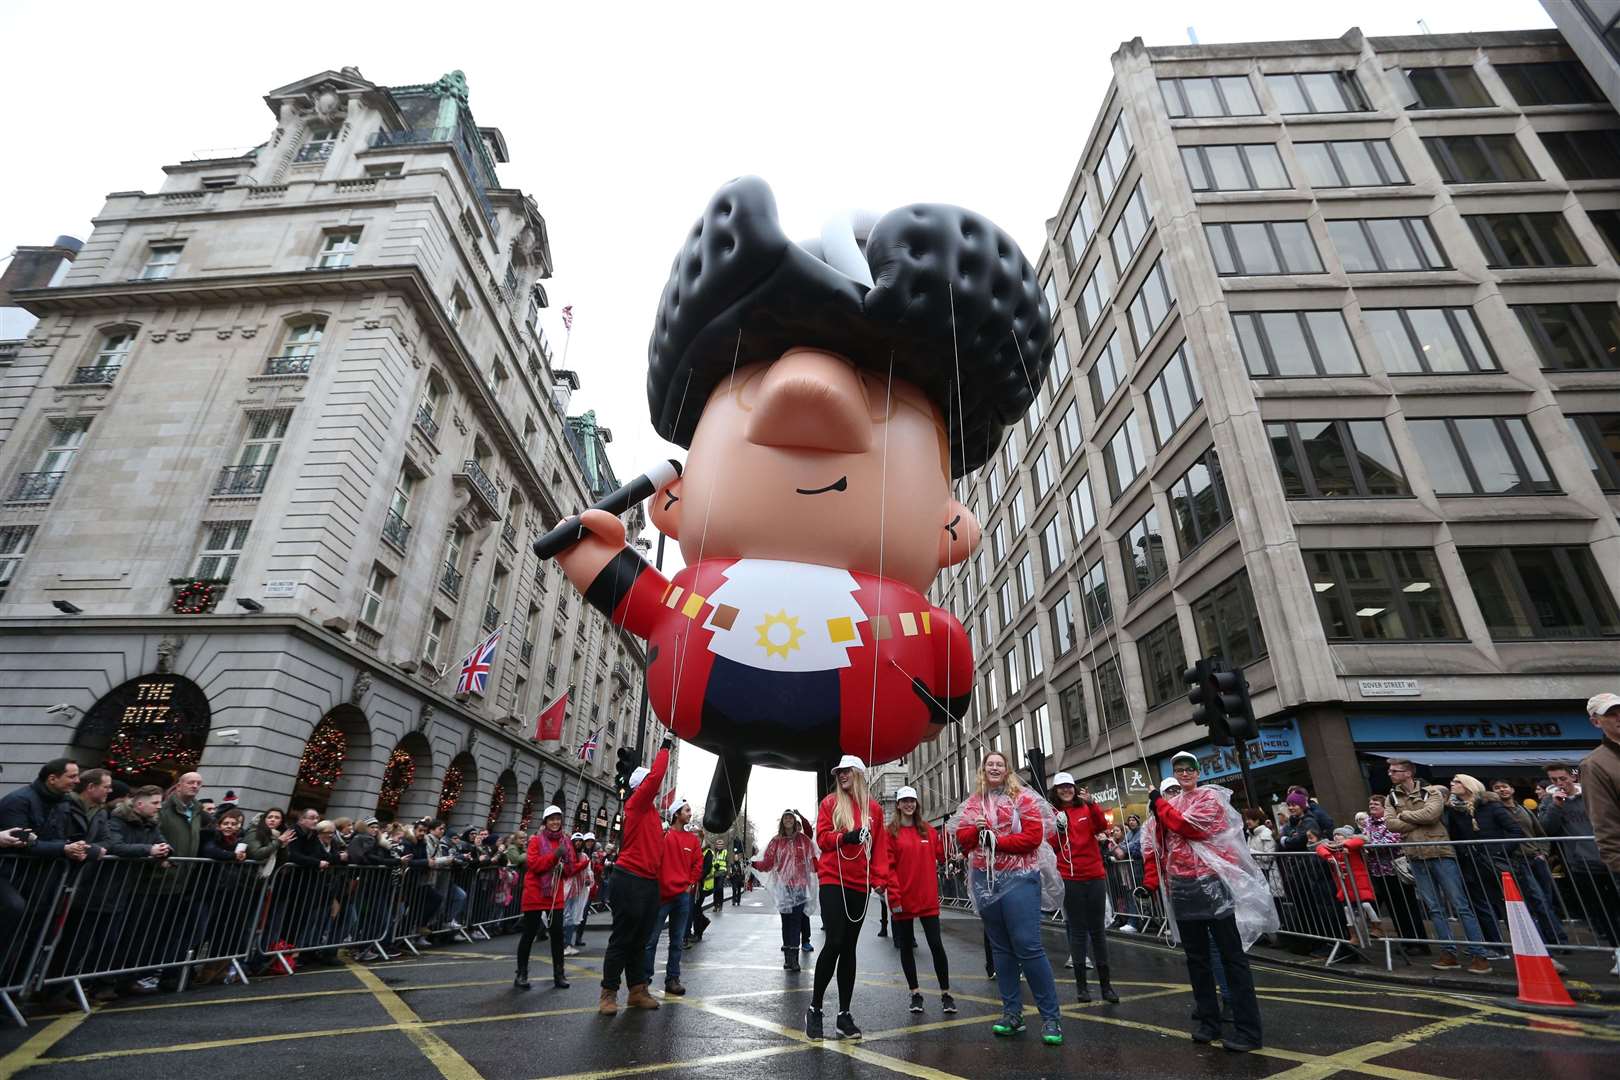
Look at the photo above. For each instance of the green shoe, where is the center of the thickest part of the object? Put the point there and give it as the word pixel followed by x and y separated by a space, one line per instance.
pixel 1051 1034
pixel 1011 1024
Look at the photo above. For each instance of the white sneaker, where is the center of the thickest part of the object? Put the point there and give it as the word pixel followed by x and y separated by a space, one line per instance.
pixel 1616 969
pixel 570 951
pixel 1069 963
pixel 148 984
pixel 452 925
pixel 1128 928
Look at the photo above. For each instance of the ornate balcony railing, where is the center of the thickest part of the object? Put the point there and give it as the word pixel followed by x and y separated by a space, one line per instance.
pixel 509 535
pixel 526 650
pixel 450 580
pixel 315 151
pixel 242 480
pixel 95 374
pixel 551 674
pixel 288 364
pixel 36 486
pixel 492 616
pixel 425 421
pixel 396 530
pixel 480 480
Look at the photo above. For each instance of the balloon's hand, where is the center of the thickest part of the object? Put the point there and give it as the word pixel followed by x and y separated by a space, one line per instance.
pixel 602 541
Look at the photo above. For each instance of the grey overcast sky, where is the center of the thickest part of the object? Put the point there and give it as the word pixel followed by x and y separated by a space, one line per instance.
pixel 622 119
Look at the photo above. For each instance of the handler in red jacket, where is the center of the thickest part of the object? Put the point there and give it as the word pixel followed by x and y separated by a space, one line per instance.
pixel 854 863
pixel 1085 881
pixel 551 861
pixel 915 855
pixel 633 889
pixel 683 868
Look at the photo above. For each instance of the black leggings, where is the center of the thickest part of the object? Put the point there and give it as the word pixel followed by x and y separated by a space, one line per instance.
pixel 1084 913
pixel 842 912
pixel 531 930
pixel 905 935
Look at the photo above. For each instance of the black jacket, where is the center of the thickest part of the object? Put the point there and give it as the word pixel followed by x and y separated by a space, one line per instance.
pixel 132 836
pixel 1490 820
pixel 306 849
pixel 38 808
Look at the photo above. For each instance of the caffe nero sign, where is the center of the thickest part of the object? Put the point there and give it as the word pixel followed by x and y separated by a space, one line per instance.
pixel 1470 730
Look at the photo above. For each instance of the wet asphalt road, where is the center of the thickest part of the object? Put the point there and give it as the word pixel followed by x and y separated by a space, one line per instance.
pixel 452 1015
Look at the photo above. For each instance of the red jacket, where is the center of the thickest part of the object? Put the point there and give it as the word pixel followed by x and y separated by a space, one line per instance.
pixel 683 863
pixel 641 850
pixel 597 873
pixel 847 864
pixel 1357 871
pixel 1078 856
pixel 914 861
pixel 548 865
pixel 882 714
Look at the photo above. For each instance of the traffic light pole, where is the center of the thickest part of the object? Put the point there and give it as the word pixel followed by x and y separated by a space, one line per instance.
pixel 1249 791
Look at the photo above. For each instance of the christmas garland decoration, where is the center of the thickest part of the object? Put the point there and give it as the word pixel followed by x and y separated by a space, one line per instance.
pixel 452 791
pixel 397 776
pixel 135 751
pixel 527 815
pixel 195 596
pixel 497 803
pixel 322 763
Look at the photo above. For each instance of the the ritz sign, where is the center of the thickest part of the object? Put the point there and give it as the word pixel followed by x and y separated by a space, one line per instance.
pixel 152 704
pixel 1484 729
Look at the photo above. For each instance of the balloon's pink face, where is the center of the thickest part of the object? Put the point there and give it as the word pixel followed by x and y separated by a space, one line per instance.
pixel 810 459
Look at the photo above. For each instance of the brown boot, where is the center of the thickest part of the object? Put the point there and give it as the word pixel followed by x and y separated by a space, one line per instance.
pixel 640 999
pixel 609 1003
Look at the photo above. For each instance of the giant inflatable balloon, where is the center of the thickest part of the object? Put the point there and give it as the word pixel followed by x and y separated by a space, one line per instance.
pixel 827 394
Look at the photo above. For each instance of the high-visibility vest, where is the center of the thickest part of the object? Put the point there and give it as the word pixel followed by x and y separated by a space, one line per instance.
pixel 719 866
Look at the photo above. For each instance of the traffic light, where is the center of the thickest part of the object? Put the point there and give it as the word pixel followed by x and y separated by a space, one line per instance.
pixel 629 760
pixel 1236 708
pixel 1217 699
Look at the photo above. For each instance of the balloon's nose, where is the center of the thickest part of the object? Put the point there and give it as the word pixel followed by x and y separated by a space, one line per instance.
pixel 811 400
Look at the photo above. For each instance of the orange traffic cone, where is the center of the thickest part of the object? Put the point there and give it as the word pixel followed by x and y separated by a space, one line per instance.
pixel 1540 988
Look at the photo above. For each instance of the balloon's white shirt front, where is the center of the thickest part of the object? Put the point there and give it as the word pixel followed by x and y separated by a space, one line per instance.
pixel 785 616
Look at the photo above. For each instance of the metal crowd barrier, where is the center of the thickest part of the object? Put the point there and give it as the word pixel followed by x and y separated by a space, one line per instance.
pixel 494 897
pixel 30 912
pixel 313 911
pixel 1573 898
pixel 431 901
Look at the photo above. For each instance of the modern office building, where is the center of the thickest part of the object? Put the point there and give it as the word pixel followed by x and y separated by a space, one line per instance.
pixel 272 462
pixel 1337 398
pixel 1591 31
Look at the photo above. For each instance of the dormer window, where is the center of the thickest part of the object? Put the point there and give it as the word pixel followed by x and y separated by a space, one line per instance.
pixel 318 144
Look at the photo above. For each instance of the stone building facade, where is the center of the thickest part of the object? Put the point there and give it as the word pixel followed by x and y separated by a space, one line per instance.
pixel 285 433
pixel 1337 399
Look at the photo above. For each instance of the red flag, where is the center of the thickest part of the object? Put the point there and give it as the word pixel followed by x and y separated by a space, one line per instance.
pixel 668 800
pixel 548 725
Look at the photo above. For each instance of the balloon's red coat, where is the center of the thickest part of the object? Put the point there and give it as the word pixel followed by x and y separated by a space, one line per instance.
pixel 909 667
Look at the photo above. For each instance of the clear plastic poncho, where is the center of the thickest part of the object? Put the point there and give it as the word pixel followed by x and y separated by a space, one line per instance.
pixel 787 870
pixel 577 893
pixel 1005 816
pixel 1214 877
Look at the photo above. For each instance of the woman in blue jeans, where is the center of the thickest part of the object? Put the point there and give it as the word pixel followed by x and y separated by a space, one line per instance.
pixel 1002 827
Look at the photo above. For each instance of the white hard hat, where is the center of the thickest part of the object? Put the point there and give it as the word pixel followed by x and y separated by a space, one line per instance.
pixel 638 776
pixel 550 810
pixel 905 793
pixel 1062 778
pixel 850 761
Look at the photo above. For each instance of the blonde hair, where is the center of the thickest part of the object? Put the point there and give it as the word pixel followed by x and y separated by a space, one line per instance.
pixel 1474 787
pixel 1010 787
pixel 844 807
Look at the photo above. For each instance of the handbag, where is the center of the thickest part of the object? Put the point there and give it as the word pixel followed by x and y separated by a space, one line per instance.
pixel 1403 869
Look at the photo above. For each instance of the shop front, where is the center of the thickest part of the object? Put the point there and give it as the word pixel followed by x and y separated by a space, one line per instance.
pixel 1120 792
pixel 1276 761
pixel 1516 746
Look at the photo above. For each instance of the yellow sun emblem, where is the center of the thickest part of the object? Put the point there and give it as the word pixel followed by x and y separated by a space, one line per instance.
pixel 779 634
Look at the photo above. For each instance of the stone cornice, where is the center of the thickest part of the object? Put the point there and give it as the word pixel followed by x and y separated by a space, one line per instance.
pixel 405 280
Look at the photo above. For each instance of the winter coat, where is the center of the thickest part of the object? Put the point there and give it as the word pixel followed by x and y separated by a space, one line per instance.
pixel 1600 773
pixel 1078 856
pixel 517 855
pixel 38 808
pixel 915 856
pixel 183 833
pixel 1352 869
pixel 549 863
pixel 641 851
pixel 1531 826
pixel 306 849
pixel 132 835
pixel 81 820
pixel 264 848
pixel 1486 819
pixel 1262 845
pixel 1419 816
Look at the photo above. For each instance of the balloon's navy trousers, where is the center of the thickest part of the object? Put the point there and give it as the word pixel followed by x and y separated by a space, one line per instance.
pixel 794 716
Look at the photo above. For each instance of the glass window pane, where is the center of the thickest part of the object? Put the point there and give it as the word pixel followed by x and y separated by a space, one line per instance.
pixel 1536 475
pixel 1225 262
pixel 1226 168
pixel 1370 598
pixel 1555 609
pixel 1437 451
pixel 1240 99
pixel 1491 579
pixel 1441 350
pixel 1254 249
pixel 1288 466
pixel 1299 250
pixel 1389 337
pixel 1196 174
pixel 1201 97
pixel 1267 167
pixel 1254 356
pixel 1333 344
pixel 1482 442
pixel 1324 92
pixel 1354 250
pixel 1380 467
pixel 1590 584
pixel 1417 576
pixel 1394 245
pixel 1322 568
pixel 1355 158
pixel 1318 166
pixel 1286 91
pixel 1288 348
pixel 1325 456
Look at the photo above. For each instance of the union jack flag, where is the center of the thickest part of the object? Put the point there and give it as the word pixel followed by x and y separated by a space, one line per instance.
pixel 588 747
pixel 476 667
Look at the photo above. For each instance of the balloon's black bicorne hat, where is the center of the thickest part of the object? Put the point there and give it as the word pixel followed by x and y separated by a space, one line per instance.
pixel 740 291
